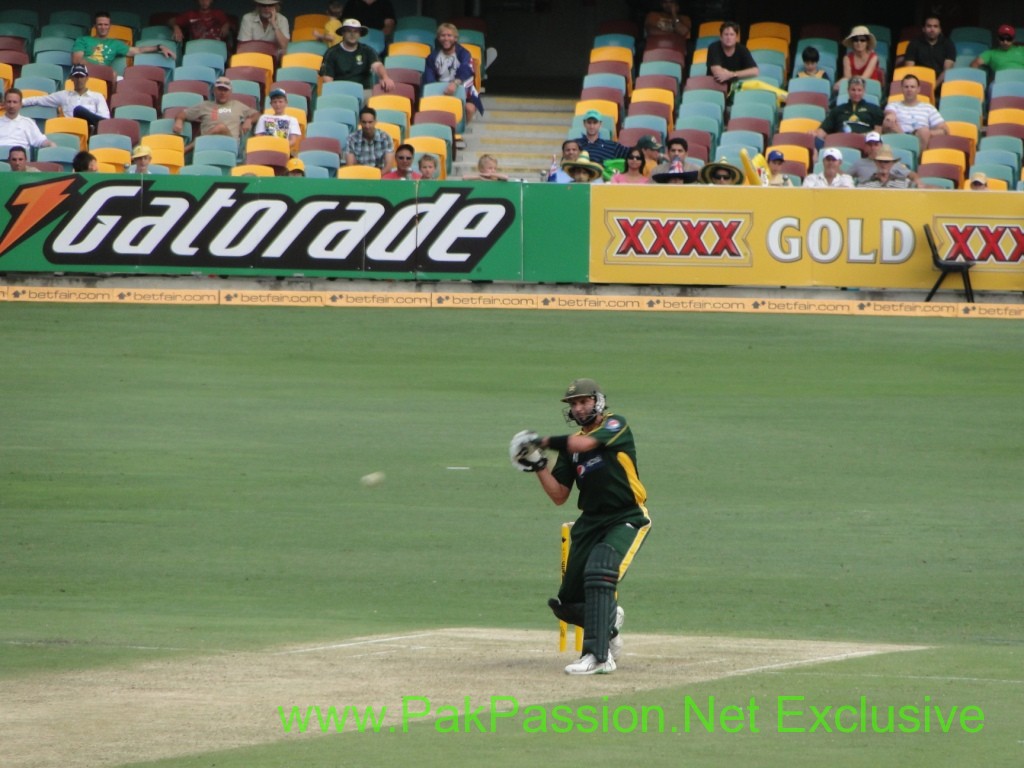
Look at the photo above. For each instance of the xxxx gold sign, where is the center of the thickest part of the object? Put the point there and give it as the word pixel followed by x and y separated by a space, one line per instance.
pixel 995 243
pixel 660 238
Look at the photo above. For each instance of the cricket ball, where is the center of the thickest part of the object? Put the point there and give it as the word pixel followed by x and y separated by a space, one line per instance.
pixel 372 479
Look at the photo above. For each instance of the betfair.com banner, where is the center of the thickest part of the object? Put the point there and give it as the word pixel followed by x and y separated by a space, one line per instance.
pixel 695 235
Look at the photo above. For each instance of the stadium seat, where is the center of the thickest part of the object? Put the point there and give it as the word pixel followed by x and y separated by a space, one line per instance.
pixel 359 172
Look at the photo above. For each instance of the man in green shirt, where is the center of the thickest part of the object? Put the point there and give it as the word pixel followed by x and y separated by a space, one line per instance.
pixel 1005 56
pixel 600 460
pixel 103 49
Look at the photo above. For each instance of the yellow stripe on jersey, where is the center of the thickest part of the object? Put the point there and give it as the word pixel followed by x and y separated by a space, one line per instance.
pixel 627 559
pixel 639 492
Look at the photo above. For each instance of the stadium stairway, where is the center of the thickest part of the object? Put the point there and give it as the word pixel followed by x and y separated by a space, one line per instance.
pixel 521 131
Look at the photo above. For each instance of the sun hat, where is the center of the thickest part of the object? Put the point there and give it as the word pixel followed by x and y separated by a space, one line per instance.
pixel 141 151
pixel 709 170
pixel 860 31
pixel 354 24
pixel 594 170
pixel 885 153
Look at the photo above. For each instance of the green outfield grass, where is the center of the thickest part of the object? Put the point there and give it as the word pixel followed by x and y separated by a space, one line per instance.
pixel 176 481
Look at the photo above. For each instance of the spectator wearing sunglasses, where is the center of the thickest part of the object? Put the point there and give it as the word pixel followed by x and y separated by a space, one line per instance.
pixel 634 172
pixel 1005 55
pixel 861 61
pixel 403 164
pixel 931 49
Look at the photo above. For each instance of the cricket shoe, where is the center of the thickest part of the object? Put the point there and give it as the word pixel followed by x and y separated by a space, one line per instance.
pixel 615 644
pixel 589 665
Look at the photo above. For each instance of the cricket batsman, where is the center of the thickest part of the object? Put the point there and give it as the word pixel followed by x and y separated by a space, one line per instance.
pixel 600 459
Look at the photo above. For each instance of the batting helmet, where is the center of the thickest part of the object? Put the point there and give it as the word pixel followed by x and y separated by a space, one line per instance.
pixel 584 388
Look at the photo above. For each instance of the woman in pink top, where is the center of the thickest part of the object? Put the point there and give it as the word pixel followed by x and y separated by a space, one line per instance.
pixel 861 61
pixel 634 173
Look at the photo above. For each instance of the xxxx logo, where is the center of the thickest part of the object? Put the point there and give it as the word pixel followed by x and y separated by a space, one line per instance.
pixel 990 243
pixel 34 206
pixel 675 237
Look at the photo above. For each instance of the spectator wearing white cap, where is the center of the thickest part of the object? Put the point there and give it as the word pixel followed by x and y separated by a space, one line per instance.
pixel 864 169
pixel 265 23
pixel 278 122
pixel 224 116
pixel 979 182
pixel 832 175
pixel 354 61
pixel 80 102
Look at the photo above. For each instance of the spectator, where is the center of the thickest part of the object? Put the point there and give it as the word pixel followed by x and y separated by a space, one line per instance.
pixel 570 151
pixel 331 34
pixel 265 23
pixel 1005 55
pixel 450 63
pixel 855 116
pixel 721 173
pixel 728 59
pixel 353 60
pixel 865 168
pixel 16 130
pixel 583 170
pixel 279 122
pixel 17 158
pixel 598 150
pixel 103 49
pixel 487 170
pixel 861 61
pixel 668 19
pixel 913 116
pixel 634 173
pixel 370 145
pixel 831 176
pixel 142 157
pixel 811 57
pixel 775 176
pixel 428 167
pixel 651 148
pixel 80 102
pixel 85 162
pixel 202 23
pixel 224 116
pixel 883 177
pixel 295 167
pixel 931 49
pixel 379 14
pixel 403 164
pixel 979 182
pixel 678 148
pixel 675 173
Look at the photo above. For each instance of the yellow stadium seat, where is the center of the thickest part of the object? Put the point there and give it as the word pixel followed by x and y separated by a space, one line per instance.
pixel 962 88
pixel 392 130
pixel 452 104
pixel 359 172
pixel 310 20
pixel 394 102
pixel 171 158
pixel 119 158
pixel 307 60
pixel 409 48
pixel 951 156
pixel 477 53
pixel 798 125
pixel 775 29
pixel 612 53
pixel 76 126
pixel 172 141
pixel 924 74
pixel 607 108
pixel 434 146
pixel 659 95
pixel 792 152
pixel 709 28
pixel 1006 115
pixel 268 144
pixel 119 32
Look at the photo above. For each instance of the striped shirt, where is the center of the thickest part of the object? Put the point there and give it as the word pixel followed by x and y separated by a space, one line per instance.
pixel 913 118
pixel 602 149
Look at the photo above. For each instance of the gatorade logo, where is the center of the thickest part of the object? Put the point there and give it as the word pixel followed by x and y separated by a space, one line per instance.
pixel 120 222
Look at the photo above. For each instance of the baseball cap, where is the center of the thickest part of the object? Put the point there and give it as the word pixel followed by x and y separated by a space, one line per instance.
pixel 278 92
pixel 775 155
pixel 222 82
pixel 79 70
pixel 1006 31
pixel 593 114
pixel 979 178
pixel 832 153
pixel 873 136
pixel 141 151
pixel 295 164
pixel 648 142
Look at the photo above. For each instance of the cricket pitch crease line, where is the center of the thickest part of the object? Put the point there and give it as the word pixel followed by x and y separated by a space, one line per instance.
pixel 806 662
pixel 353 644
